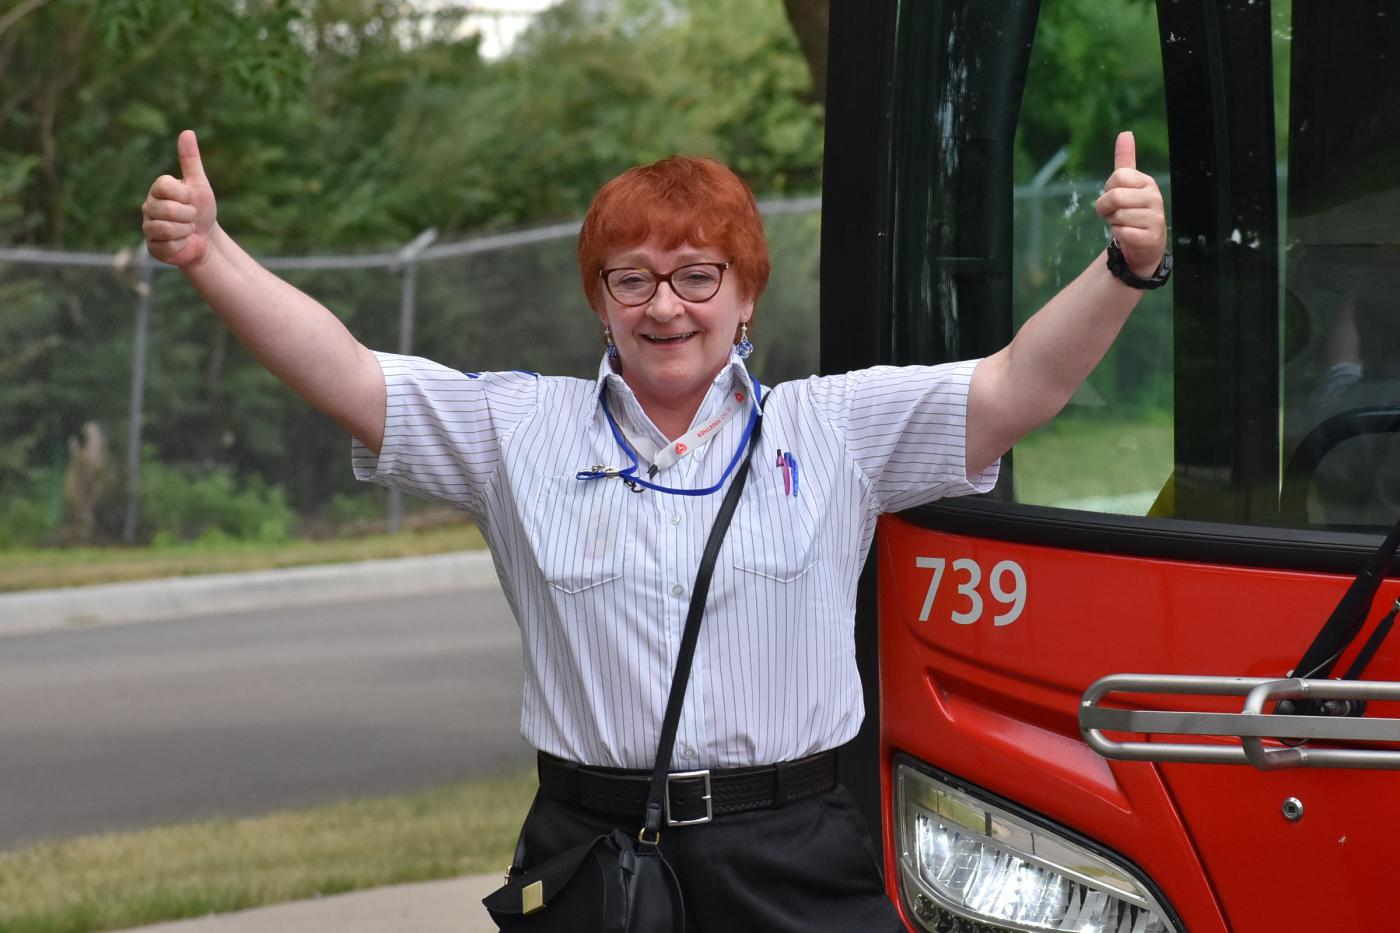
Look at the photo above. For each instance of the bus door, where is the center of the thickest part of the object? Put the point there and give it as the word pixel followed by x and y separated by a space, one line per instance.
pixel 1200 507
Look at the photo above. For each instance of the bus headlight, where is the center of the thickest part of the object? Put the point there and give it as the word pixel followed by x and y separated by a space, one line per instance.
pixel 964 859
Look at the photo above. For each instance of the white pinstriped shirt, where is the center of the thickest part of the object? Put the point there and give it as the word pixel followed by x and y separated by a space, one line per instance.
pixel 599 577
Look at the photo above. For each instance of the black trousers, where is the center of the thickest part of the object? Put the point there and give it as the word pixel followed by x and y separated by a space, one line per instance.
pixel 808 867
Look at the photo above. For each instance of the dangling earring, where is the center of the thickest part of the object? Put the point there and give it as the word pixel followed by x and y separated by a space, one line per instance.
pixel 612 347
pixel 744 347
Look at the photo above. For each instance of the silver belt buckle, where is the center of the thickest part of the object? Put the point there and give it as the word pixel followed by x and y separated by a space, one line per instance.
pixel 709 803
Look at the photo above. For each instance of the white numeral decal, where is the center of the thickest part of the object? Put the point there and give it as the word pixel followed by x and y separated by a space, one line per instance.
pixel 1016 598
pixel 968 589
pixel 937 563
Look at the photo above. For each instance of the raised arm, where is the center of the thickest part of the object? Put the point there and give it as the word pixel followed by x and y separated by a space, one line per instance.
pixel 299 341
pixel 1026 383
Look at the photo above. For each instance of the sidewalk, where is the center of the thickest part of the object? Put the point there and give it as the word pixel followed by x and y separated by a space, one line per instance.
pixel 149 600
pixel 452 906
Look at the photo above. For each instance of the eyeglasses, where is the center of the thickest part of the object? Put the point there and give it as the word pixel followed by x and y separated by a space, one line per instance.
pixel 698 281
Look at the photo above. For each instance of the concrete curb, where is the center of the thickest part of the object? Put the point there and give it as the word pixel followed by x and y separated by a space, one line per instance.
pixel 452 906
pixel 147 600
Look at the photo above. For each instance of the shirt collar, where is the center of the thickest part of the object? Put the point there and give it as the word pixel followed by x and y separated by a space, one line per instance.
pixel 734 373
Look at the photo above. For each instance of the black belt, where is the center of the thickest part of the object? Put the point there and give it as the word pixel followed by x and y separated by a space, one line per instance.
pixel 691 796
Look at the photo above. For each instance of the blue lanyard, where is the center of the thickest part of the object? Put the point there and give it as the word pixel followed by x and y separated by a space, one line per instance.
pixel 629 476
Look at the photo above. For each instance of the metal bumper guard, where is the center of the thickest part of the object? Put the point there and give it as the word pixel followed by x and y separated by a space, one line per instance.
pixel 1251 726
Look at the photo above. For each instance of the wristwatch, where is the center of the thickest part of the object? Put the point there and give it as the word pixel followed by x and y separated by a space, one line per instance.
pixel 1119 267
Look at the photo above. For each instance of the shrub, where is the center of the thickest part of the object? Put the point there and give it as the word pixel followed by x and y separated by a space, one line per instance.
pixel 26 520
pixel 181 503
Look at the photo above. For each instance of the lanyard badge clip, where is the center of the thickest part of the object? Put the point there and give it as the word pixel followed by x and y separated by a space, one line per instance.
pixel 606 472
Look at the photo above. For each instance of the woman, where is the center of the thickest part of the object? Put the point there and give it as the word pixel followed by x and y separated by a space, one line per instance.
pixel 597 496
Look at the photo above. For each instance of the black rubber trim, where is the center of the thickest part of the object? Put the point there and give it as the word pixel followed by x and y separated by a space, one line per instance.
pixel 855 274
pixel 1030 816
pixel 1167 539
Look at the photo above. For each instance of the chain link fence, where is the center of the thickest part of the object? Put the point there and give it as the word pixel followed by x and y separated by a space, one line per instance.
pixel 129 414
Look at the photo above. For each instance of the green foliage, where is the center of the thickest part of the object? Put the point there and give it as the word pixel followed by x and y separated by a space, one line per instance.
pixel 182 503
pixel 350 123
pixel 1095 69
pixel 104 88
pixel 344 509
pixel 26 519
pixel 732 85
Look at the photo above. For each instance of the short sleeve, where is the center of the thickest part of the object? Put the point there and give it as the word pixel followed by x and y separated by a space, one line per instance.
pixel 443 429
pixel 905 427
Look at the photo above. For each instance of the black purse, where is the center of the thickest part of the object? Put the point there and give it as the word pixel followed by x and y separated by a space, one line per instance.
pixel 614 883
pixel 620 882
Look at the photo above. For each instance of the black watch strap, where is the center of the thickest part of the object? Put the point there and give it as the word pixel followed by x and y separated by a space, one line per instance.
pixel 1119 267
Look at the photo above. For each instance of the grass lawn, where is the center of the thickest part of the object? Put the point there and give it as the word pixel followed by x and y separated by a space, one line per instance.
pixel 1077 458
pixel 53 567
pixel 110 882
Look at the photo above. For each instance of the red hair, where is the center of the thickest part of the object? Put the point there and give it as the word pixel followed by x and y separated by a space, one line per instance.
pixel 678 200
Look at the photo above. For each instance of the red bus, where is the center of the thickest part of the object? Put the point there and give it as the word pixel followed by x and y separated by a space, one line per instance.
pixel 1196 514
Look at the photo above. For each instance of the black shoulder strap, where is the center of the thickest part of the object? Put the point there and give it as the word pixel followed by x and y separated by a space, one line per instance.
pixel 671 721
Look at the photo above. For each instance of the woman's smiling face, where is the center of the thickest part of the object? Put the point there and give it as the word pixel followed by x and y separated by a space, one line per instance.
pixel 671 349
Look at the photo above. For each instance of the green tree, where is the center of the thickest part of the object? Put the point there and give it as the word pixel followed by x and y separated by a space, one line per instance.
pixel 1095 70
pixel 92 90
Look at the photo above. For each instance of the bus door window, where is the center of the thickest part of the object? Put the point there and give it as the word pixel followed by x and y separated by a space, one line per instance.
pixel 1341 324
pixel 1094 69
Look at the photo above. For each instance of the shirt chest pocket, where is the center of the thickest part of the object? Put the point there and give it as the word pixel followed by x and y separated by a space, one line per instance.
pixel 774 535
pixel 579 530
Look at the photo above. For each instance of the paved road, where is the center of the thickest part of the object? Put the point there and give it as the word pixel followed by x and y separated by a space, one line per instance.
pixel 124 726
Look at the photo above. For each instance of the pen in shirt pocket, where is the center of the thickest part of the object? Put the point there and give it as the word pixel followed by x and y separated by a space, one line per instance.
pixel 788 464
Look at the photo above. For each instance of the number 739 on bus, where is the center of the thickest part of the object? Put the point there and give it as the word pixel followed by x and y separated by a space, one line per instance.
pixel 967 577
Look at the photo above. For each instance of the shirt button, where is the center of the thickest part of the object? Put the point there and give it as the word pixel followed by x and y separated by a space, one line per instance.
pixel 688 751
pixel 677 590
pixel 675 519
